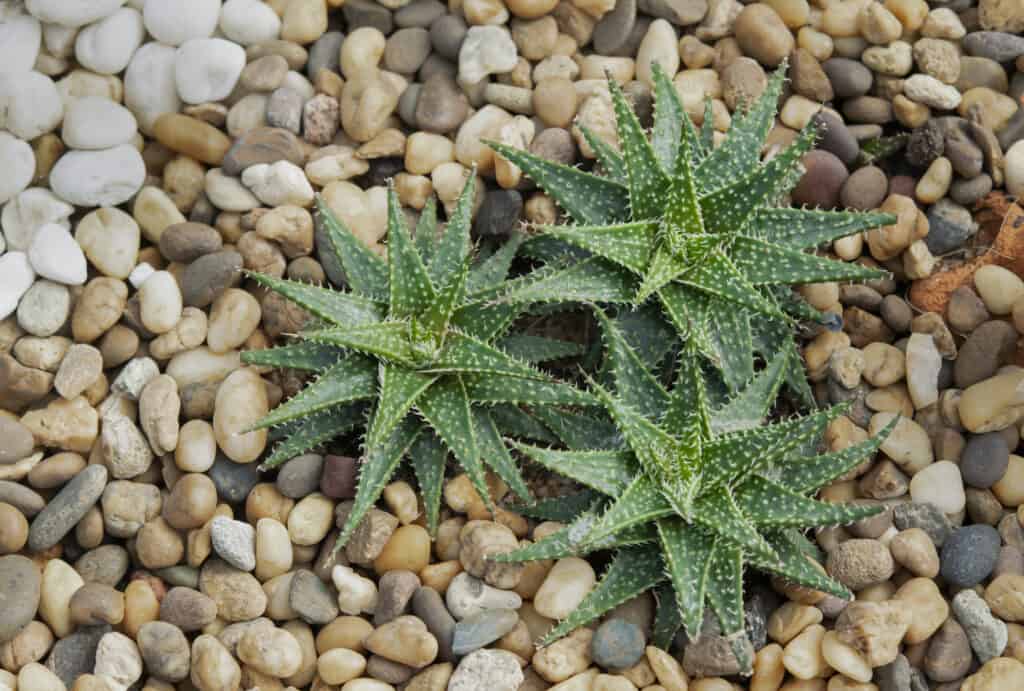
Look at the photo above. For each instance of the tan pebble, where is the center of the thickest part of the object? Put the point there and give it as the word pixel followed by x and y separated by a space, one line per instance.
pixel 769 670
pixel 274 652
pixel 789 620
pixel 36 677
pixel 140 606
pixel 191 137
pixel 408 549
pixel 404 640
pixel 213 667
pixel 241 401
pixel 13 529
pixel 346 632
pixel 564 658
pixel 667 669
pixel 340 665
pixel 59 583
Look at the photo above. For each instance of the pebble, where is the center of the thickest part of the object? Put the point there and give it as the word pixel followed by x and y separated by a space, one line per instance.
pixel 762 35
pixel 107 46
pixel 278 184
pixel 98 178
pixel 987 635
pixel 32 103
pixel 233 480
pixel 27 212
pixel 207 69
pixel 16 441
pixel 396 589
pixel 467 595
pixel 44 308
pixel 20 584
pixel 21 34
pixel 165 651
pixel 234 542
pixel 969 555
pixel 55 255
pixel 994 45
pixel 486 50
pixel 21 166
pixel 208 276
pixel 192 137
pixel 568 582
pixel 67 507
pixel 249 22
pixel 617 645
pixel 16 277
pixel 312 599
pixel 984 459
pixel 428 606
pixel 481 629
pixel 998 288
pixel 496 670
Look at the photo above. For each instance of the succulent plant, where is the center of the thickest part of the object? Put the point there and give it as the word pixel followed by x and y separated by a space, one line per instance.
pixel 696 225
pixel 417 351
pixel 693 494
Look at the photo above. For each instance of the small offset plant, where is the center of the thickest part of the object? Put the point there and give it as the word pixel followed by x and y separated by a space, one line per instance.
pixel 694 494
pixel 416 347
pixel 695 225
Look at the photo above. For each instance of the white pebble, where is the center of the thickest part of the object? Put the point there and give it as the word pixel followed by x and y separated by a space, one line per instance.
pixel 160 302
pixel 569 581
pixel 278 184
pixel 30 104
pixel 207 69
pixel 97 123
pixel 930 91
pixel 59 41
pixel 21 37
pixel 16 278
pixel 19 166
pixel 55 255
pixel 98 178
pixel 940 484
pixel 249 21
pixel 139 274
pixel 923 365
pixel 34 207
pixel 110 239
pixel 175 21
pixel 72 12
pixel 118 657
pixel 106 46
pixel 149 85
pixel 486 50
pixel 228 193
pixel 356 594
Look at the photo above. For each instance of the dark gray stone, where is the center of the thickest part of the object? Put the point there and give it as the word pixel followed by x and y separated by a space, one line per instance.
pixel 994 45
pixel 20 582
pixel 421 13
pixel 233 480
pixel 617 644
pixel 499 214
pixel 949 227
pixel 441 106
pixel 964 155
pixel 927 517
pixel 967 192
pixel 849 78
pixel 894 676
pixel 186 242
pixel 312 599
pixel 395 591
pixel 209 276
pixel 428 605
pixel 480 629
pixel 360 13
pixel 679 12
pixel 969 555
pixel 836 138
pixel 447 34
pixel 75 655
pixel 325 53
pixel 339 477
pixel 300 476
pixel 615 27
pixel 1013 130
pixel 64 510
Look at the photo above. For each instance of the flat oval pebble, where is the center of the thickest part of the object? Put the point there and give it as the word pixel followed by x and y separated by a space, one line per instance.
pixel 98 178
pixel 20 591
pixel 97 123
pixel 67 507
pixel 207 69
pixel 175 21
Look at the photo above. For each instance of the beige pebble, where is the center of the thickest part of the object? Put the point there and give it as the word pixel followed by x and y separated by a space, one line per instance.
pixel 311 519
pixel 241 401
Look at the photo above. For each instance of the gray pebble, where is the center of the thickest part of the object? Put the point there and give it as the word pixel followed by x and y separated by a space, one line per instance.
pixel 233 480
pixel 679 12
pixel 964 155
pixel 984 459
pixel 428 606
pixel 467 595
pixel 420 13
pixel 75 655
pixel 406 49
pixel 16 441
pixel 325 54
pixel 234 541
pixel 44 308
pixel 499 214
pixel 134 376
pixel 994 45
pixel 23 498
pixel 62 513
pixel 481 629
pixel 894 676
pixel 20 582
pixel 967 192
pixel 835 138
pixel 987 634
pixel 1013 130
pixel 441 106
pixel 969 555
pixel 284 109
pixel 395 591
pixel 209 276
pixel 187 608
pixel 165 650
pixel 107 564
pixel 388 671
pixel 615 27
pixel 360 13
pixel 447 34
pixel 186 242
pixel 300 476
pixel 849 78
pixel 617 645
pixel 180 575
pixel 312 599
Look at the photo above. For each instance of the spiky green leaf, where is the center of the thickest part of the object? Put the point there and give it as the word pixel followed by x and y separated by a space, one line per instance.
pixel 340 309
pixel 311 357
pixel 366 272
pixel 770 504
pixel 626 244
pixel 647 180
pixel 399 389
pixel 314 430
pixel 608 472
pixel 428 458
pixel 687 552
pixel 349 380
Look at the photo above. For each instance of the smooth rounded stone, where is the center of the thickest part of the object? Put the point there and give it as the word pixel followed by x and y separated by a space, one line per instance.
pixel 822 181
pixel 836 138
pixel 149 85
pixel 428 606
pixel 107 46
pixel 67 507
pixel 241 402
pixel 1014 164
pixel 187 609
pixel 98 178
pixel 16 277
pixel 16 441
pixel 395 590
pixel 21 36
pixel 165 651
pixel 44 308
pixel 486 50
pixel 262 145
pixel 238 594
pixel 92 122
pixel 865 189
pixel 614 29
pixel 406 49
pixel 441 106
pixel 949 653
pixel 175 21
pixel 994 45
pixel 186 242
pixel 969 555
pixel 968 192
pixel 27 212
pixel 984 459
pixel 467 595
pixel 55 255
pixel 419 13
pixel 284 110
pixel 279 184
pixel 447 34
pixel 987 635
pixel 325 54
pixel 20 166
pixel 989 346
pixel 499 214
pixel 107 564
pixel 209 276
pixel 75 655
pixel 118 658
pixel 617 644
pixel 234 542
pixel 312 599
pixel 234 481
pixel 249 21
pixel 481 629
pixel 939 484
pixel 23 498
pixel 949 227
pixel 364 13
pixel 207 69
pixel 32 102
pixel 762 35
pixel 20 584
